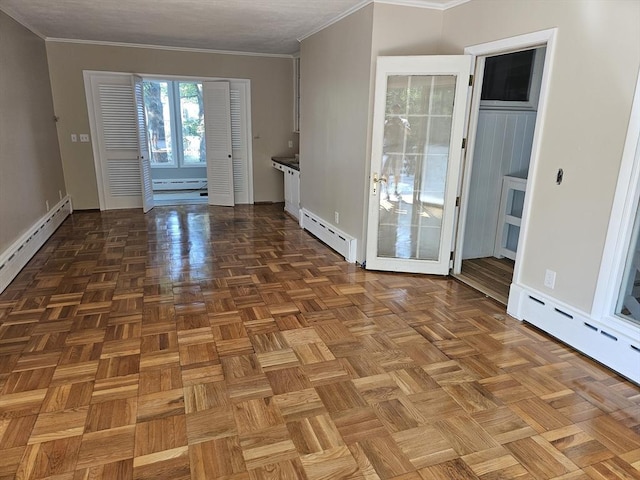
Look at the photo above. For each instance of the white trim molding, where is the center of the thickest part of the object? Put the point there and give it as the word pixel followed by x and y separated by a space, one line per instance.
pixel 14 258
pixel 614 344
pixel 165 47
pixel 433 5
pixel 20 19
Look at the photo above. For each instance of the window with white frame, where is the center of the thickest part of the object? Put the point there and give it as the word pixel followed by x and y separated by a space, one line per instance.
pixel 175 123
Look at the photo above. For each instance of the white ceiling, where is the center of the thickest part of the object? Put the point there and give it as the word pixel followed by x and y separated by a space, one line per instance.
pixel 258 26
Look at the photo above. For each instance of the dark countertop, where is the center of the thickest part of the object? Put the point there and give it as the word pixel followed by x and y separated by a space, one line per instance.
pixel 290 162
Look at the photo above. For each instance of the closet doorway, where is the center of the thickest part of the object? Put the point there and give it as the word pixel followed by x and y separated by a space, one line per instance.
pixel 496 176
pixel 196 132
pixel 175 128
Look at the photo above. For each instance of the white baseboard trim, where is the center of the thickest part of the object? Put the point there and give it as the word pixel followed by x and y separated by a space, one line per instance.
pixel 615 344
pixel 339 241
pixel 14 258
pixel 179 184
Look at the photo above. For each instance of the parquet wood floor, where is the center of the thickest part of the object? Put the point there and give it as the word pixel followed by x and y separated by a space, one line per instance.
pixel 217 343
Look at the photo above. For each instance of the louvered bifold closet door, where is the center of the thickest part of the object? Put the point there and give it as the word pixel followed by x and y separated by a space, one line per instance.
pixel 143 146
pixel 217 121
pixel 117 140
pixel 239 143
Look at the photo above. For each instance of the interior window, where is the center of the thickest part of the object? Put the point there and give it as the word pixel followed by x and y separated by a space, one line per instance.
pixel 175 123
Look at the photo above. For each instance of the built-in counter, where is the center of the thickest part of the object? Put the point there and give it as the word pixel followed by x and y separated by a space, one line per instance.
pixel 291 162
pixel 290 166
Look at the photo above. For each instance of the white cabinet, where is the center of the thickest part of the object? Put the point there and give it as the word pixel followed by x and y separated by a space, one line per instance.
pixel 291 188
pixel 292 192
pixel 510 216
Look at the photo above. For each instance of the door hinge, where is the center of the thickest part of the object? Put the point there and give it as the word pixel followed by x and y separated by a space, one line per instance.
pixel 457 201
pixel 464 143
pixel 471 80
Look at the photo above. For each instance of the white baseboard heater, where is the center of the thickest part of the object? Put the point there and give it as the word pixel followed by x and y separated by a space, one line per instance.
pixel 339 241
pixel 180 184
pixel 14 258
pixel 615 344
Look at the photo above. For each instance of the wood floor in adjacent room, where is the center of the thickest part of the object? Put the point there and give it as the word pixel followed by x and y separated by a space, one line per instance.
pixel 226 343
pixel 492 276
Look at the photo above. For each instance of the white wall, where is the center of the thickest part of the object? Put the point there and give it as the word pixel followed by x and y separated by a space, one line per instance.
pixel 30 167
pixel 502 147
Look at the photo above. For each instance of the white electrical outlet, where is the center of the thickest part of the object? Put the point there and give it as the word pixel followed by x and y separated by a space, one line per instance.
pixel 84 137
pixel 290 143
pixel 550 279
pixel 336 217
pixel 74 137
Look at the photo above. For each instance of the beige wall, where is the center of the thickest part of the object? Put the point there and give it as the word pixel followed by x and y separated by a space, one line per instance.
pixel 30 167
pixel 335 73
pixel 271 103
pixel 338 66
pixel 591 90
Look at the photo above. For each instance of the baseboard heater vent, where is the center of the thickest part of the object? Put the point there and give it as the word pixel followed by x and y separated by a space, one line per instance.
pixel 339 241
pixel 614 343
pixel 14 258
pixel 180 184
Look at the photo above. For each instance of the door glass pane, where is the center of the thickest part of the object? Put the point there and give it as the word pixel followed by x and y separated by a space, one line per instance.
pixel 415 158
pixel 156 102
pixel 192 117
pixel 628 305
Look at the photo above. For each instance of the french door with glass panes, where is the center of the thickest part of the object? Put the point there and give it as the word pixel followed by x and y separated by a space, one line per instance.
pixel 419 115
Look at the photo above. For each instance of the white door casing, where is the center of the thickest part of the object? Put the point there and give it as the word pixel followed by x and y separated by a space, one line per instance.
pixel 143 146
pixel 454 72
pixel 217 119
pixel 478 53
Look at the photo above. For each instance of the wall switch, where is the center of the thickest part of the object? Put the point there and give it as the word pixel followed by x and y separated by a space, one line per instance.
pixel 84 137
pixel 336 217
pixel 290 143
pixel 550 279
pixel 74 137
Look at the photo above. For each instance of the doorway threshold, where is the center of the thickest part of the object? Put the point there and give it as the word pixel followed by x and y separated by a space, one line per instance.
pixel 481 288
pixel 491 276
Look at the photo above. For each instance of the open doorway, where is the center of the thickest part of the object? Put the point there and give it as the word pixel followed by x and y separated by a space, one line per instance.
pixel 496 177
pixel 175 131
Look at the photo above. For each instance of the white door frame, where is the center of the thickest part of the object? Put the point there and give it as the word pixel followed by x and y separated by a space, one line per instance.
pixel 478 52
pixel 621 222
pixel 244 82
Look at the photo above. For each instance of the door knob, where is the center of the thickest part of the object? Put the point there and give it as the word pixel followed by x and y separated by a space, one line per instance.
pixel 376 180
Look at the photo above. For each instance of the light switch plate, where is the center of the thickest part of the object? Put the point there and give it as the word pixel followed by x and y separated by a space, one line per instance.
pixel 74 137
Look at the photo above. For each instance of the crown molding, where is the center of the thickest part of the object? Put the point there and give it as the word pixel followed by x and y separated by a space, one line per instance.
pixel 404 3
pixel 424 3
pixel 336 19
pixel 18 18
pixel 164 47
